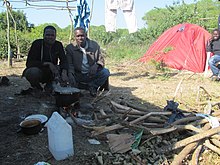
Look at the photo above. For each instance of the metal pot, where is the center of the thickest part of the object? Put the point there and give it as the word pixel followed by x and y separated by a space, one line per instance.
pixel 65 96
pixel 30 127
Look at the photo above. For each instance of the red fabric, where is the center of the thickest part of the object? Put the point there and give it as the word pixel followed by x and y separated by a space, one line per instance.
pixel 188 48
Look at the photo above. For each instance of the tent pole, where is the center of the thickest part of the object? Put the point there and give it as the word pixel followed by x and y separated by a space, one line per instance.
pixel 208 54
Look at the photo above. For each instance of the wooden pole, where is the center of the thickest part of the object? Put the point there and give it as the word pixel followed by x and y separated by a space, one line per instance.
pixel 16 36
pixel 208 55
pixel 8 34
pixel 71 21
pixel 90 18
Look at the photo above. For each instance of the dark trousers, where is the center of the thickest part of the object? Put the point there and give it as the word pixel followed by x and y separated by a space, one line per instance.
pixel 98 80
pixel 36 75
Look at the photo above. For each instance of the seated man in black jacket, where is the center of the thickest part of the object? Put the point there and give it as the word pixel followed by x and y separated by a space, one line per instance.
pixel 42 61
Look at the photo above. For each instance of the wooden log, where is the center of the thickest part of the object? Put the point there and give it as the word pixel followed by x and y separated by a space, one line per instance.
pixel 196 153
pixel 105 117
pixel 74 119
pixel 202 121
pixel 153 125
pixel 189 127
pixel 152 119
pixel 138 108
pixel 192 139
pixel 216 142
pixel 179 158
pixel 131 111
pixel 100 96
pixel 99 130
pixel 199 122
pixel 177 88
pixel 217 137
pixel 126 113
pixel 102 112
pixel 212 147
pixel 159 131
pixel 165 118
pixel 136 127
pixel 186 120
pixel 122 109
pixel 148 115
pixel 216 113
pixel 119 106
pixel 104 129
pixel 155 120
pixel 206 126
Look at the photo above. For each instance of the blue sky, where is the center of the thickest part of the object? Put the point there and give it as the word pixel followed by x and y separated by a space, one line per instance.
pixel 61 18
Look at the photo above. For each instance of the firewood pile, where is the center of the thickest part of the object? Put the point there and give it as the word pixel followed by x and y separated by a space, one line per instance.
pixel 169 136
pixel 186 138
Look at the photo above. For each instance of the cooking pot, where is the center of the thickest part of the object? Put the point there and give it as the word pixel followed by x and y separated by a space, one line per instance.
pixel 30 126
pixel 65 96
pixel 43 119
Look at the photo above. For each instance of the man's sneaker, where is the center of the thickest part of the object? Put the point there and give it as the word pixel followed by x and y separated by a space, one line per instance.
pixel 93 91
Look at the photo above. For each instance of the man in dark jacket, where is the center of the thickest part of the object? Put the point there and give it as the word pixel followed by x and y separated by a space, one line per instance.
pixel 42 62
pixel 86 63
pixel 214 47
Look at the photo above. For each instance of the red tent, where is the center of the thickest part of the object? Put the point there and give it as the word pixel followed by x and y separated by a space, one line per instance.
pixel 181 47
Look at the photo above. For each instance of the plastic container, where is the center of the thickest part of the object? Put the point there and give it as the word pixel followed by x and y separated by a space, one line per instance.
pixel 60 137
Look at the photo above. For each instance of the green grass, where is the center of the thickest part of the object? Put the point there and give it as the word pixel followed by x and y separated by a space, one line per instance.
pixel 121 52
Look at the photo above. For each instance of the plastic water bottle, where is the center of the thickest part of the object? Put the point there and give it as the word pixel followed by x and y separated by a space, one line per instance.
pixel 59 137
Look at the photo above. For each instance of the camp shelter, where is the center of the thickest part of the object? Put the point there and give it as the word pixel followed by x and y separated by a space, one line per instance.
pixel 181 47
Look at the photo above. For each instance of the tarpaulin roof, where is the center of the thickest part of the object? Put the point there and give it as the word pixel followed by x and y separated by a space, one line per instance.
pixel 81 8
pixel 42 4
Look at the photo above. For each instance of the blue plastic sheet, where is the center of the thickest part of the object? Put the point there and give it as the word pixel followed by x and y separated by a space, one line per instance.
pixel 81 18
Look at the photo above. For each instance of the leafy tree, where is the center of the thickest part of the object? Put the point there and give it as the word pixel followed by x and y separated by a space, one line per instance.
pixel 22 27
pixel 203 13
pixel 99 34
pixel 19 17
pixel 64 35
pixel 3 45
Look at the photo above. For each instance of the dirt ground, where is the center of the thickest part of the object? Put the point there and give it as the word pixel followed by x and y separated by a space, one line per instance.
pixel 132 82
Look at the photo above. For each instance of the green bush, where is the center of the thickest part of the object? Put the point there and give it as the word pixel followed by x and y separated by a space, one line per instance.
pixel 3 45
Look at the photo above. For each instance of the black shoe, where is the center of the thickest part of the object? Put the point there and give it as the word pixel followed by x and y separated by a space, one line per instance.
pixel 4 81
pixel 93 91
pixel 48 88
pixel 37 86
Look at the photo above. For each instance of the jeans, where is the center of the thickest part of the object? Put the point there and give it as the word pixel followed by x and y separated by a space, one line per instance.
pixel 212 63
pixel 93 81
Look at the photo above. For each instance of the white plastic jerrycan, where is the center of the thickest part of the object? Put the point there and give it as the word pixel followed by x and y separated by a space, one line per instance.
pixel 59 137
